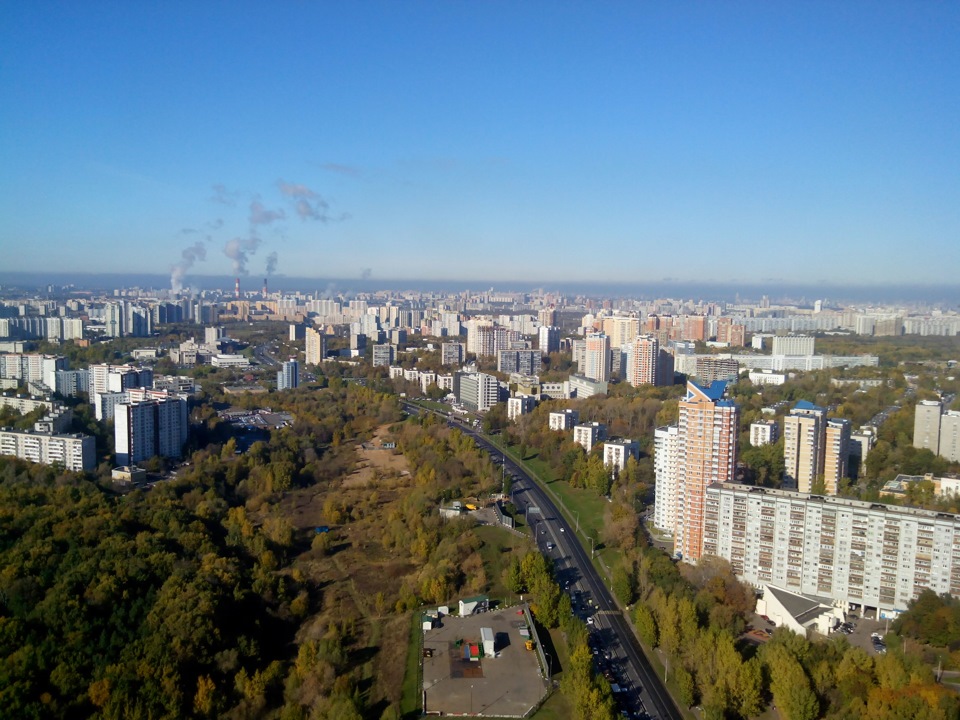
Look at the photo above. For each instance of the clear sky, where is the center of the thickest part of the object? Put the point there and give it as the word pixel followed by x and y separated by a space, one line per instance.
pixel 729 141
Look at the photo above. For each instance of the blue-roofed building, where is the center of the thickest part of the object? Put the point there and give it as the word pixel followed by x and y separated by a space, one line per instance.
pixel 712 392
pixel 706 452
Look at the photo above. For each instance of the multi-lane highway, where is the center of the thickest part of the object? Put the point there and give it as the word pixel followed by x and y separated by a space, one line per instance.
pixel 642 691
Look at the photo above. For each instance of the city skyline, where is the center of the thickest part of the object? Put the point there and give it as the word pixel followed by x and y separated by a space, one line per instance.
pixel 540 144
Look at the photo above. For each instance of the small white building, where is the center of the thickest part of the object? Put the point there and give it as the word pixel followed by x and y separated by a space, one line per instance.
pixel 520 405
pixel 489 643
pixel 797 612
pixel 565 420
pixel 470 605
pixel 764 433
pixel 589 434
pixel 616 452
pixel 767 377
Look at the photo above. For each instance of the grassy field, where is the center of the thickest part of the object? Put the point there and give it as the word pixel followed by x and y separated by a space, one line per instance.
pixel 410 694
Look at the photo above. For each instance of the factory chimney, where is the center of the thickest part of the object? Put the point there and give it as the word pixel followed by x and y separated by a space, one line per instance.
pixel 238 288
pixel 264 287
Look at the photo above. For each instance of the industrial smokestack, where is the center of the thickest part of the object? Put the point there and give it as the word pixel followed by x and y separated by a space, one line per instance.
pixel 264 287
pixel 238 288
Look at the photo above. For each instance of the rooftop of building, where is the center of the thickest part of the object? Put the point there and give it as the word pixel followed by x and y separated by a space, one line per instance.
pixel 903 510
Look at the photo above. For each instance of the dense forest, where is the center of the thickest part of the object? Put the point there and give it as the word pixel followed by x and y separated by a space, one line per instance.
pixel 211 595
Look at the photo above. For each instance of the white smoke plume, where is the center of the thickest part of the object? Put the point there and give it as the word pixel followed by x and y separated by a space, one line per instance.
pixel 238 251
pixel 188 257
pixel 308 204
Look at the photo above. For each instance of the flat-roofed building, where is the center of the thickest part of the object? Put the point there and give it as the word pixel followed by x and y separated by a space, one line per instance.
pixel 564 420
pixel 616 453
pixel 709 429
pixel 589 434
pixel 764 432
pixel 855 553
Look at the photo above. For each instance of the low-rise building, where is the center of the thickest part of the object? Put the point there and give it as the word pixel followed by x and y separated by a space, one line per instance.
pixel 589 434
pixel 564 420
pixel 520 405
pixel 764 433
pixel 616 452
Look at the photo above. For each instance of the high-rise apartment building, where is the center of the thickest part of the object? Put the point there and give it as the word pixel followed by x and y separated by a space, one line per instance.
pixel 316 346
pixel 730 332
pixel 804 444
pixel 621 329
pixel 666 467
pixel 936 430
pixel 452 353
pixel 836 454
pixel 708 432
pixel 525 362
pixel 710 369
pixel 73 451
pixel 384 355
pixel 643 362
pixel 596 361
pixel 484 338
pixel 549 316
pixel 926 425
pixel 694 328
pixel 950 435
pixel 146 428
pixel 288 377
pixel 549 339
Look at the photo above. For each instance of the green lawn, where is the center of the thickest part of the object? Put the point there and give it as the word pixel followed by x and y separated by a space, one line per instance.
pixel 410 694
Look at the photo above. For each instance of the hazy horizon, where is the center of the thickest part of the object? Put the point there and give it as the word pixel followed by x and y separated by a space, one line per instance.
pixel 947 295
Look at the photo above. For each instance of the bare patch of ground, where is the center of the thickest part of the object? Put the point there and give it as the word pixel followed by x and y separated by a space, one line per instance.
pixel 374 459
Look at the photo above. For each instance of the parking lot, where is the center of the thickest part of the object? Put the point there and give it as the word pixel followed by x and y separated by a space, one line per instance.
pixel 506 685
pixel 863 629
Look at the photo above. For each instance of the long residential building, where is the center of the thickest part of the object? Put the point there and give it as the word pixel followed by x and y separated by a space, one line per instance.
pixel 74 451
pixel 853 552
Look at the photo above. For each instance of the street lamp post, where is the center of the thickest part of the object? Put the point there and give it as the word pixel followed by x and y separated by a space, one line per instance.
pixel 471 699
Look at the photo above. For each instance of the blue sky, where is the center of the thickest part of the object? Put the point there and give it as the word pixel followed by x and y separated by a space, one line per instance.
pixel 484 140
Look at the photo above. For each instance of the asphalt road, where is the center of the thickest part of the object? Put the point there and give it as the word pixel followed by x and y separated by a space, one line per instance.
pixel 644 687
pixel 261 355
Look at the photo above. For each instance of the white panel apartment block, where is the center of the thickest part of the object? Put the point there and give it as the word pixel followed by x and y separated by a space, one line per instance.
pixel 850 551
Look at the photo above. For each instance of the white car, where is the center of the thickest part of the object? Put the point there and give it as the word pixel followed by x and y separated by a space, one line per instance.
pixel 590 620
pixel 561 529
